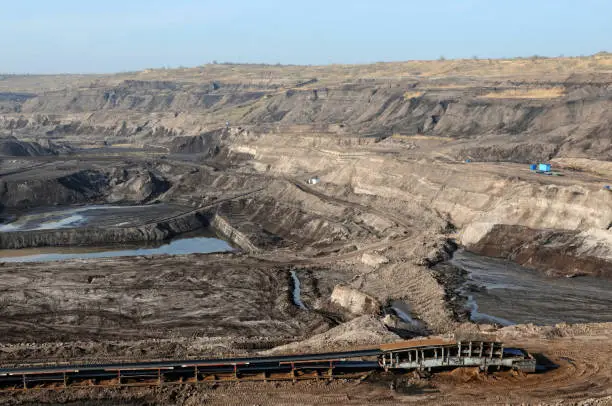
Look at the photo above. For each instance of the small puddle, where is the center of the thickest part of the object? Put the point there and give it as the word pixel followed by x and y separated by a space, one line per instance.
pixel 297 299
pixel 404 312
pixel 504 292
pixel 194 245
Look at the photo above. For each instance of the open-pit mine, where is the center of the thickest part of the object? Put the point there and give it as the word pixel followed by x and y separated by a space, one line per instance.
pixel 254 234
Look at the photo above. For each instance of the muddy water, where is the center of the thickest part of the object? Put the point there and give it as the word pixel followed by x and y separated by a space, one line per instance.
pixel 203 241
pixel 297 294
pixel 404 312
pixel 175 247
pixel 505 293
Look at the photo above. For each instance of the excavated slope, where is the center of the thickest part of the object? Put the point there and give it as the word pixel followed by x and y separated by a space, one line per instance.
pixel 10 146
pixel 477 198
pixel 514 117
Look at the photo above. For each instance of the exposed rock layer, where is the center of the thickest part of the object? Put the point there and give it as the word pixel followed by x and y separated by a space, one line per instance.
pixel 557 252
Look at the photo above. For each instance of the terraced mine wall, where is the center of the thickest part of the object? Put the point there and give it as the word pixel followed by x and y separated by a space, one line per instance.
pixel 79 187
pixel 560 225
pixel 232 234
pixel 569 117
pixel 149 232
pixel 560 252
pixel 94 236
pixel 69 185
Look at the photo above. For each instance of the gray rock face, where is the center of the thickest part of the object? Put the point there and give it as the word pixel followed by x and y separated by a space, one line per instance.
pixel 139 186
pixel 354 301
pixel 135 185
pixel 10 146
pixel 557 252
pixel 78 187
pixel 99 236
pixel 575 123
pixel 207 144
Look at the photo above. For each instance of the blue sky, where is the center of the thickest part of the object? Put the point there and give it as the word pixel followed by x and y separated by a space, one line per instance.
pixel 57 36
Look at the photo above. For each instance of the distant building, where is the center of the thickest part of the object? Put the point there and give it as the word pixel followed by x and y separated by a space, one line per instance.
pixel 544 167
pixel 313 181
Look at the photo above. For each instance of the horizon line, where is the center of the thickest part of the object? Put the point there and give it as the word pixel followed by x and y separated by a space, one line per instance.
pixel 278 64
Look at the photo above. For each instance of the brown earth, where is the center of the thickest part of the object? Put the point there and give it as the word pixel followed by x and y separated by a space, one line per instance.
pixel 388 143
pixel 519 110
pixel 581 353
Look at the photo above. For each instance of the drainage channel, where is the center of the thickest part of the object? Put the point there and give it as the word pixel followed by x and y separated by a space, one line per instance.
pixel 297 300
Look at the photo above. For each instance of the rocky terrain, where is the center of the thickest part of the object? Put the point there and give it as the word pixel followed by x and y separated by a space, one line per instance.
pixel 11 146
pixel 358 181
pixel 541 108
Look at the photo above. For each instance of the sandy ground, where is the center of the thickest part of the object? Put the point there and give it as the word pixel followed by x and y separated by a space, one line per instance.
pixel 149 298
pixel 375 224
pixel 582 378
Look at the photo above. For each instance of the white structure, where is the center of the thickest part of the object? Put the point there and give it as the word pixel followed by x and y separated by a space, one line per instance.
pixel 313 180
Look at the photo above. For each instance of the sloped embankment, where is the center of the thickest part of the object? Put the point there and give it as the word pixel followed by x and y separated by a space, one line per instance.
pixel 557 224
pixel 55 186
pixel 557 252
pixel 572 120
pixel 11 146
pixel 160 231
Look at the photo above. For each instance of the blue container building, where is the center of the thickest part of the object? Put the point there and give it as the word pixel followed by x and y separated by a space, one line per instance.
pixel 544 167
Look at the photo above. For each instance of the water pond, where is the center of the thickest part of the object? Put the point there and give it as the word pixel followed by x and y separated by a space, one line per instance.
pixel 506 293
